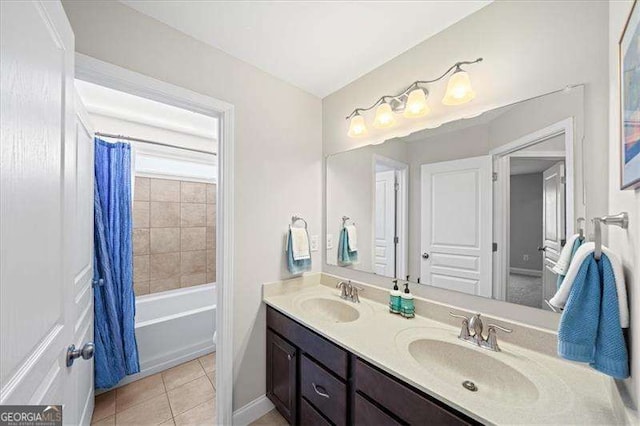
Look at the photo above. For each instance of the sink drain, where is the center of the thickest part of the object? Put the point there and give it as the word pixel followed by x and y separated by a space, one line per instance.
pixel 470 386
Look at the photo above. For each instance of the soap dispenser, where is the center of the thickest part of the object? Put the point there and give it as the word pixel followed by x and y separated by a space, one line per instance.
pixel 394 299
pixel 407 308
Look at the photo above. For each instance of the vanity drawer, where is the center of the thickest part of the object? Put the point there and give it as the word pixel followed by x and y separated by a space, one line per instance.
pixel 367 414
pixel 309 416
pixel 322 350
pixel 405 403
pixel 327 393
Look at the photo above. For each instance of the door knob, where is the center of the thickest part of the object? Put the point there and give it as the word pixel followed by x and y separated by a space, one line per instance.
pixel 425 255
pixel 542 248
pixel 86 352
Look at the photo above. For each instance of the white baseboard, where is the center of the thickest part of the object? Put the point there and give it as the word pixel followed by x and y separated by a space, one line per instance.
pixel 523 271
pixel 252 411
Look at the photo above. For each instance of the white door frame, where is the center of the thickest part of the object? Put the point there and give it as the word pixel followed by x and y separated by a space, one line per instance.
pixel 402 257
pixel 115 77
pixel 501 199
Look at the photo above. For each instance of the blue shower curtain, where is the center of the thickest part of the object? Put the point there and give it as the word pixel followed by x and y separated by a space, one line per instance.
pixel 116 351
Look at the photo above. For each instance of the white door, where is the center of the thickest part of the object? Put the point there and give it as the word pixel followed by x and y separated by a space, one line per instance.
pixel 553 225
pixel 385 223
pixel 46 215
pixel 456 221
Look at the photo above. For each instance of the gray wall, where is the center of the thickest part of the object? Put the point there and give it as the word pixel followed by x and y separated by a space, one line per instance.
pixel 277 136
pixel 525 225
pixel 625 242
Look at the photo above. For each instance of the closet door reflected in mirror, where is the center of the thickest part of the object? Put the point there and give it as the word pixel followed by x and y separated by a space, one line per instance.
pixel 481 206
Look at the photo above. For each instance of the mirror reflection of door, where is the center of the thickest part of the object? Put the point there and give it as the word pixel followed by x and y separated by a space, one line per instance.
pixel 389 212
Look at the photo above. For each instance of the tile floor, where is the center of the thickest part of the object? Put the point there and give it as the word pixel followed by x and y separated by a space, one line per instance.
pixel 272 418
pixel 182 395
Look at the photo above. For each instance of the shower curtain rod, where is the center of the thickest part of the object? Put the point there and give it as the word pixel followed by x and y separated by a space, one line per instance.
pixel 129 138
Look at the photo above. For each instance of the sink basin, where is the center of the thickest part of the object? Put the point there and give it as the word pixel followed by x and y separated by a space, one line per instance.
pixel 330 310
pixel 491 379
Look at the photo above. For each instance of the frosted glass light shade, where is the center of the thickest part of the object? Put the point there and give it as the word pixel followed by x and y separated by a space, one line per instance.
pixel 459 90
pixel 416 104
pixel 357 127
pixel 384 117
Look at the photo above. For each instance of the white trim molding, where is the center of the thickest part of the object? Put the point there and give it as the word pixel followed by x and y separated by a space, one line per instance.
pixel 118 78
pixel 252 411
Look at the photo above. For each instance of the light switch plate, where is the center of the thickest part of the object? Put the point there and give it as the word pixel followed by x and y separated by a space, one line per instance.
pixel 329 241
pixel 314 243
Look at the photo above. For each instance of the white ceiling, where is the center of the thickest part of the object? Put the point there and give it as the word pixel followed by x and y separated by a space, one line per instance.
pixel 315 45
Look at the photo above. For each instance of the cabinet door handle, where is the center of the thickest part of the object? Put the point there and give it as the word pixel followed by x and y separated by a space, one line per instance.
pixel 320 390
pixel 289 357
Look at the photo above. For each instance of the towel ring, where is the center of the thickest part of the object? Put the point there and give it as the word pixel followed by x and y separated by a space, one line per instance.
pixel 295 219
pixel 621 220
pixel 345 219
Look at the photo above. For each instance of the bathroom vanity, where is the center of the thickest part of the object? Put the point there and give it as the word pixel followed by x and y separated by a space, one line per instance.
pixel 315 382
pixel 332 361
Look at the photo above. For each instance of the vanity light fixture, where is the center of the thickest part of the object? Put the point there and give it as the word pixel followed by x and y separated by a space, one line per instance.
pixel 412 102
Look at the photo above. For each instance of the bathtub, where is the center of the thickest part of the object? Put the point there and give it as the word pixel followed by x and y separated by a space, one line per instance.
pixel 173 327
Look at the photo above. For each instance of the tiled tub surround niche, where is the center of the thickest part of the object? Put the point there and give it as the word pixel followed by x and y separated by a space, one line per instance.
pixel 173 234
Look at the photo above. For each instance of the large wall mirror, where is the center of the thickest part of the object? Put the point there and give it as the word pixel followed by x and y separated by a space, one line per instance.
pixel 481 205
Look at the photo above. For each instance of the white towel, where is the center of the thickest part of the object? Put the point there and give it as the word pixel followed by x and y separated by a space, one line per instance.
pixel 586 249
pixel 562 266
pixel 300 244
pixel 352 233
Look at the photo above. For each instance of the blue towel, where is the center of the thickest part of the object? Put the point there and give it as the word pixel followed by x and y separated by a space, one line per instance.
pixel 346 257
pixel 576 245
pixel 295 266
pixel 590 325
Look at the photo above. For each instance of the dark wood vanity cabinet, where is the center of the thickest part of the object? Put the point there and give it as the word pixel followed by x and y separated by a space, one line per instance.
pixel 313 382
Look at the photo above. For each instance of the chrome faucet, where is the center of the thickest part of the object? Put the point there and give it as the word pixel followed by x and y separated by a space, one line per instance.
pixel 475 337
pixel 349 291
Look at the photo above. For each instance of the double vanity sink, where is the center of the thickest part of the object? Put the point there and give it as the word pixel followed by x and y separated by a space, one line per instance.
pixel 514 385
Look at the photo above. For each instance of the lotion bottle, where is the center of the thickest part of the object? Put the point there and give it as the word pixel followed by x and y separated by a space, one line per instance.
pixel 395 299
pixel 407 308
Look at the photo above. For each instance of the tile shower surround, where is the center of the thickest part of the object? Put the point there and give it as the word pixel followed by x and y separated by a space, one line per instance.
pixel 173 234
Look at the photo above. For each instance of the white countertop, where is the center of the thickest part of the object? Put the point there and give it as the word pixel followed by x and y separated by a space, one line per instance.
pixel 555 391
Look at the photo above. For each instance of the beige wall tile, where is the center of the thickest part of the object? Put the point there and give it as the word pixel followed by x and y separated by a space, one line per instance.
pixel 193 239
pixel 164 190
pixel 151 412
pixel 182 374
pixel 141 241
pixel 140 214
pixel 193 214
pixel 211 193
pixel 164 265
pixel 164 214
pixel 211 277
pixel 211 260
pixel 201 415
pixel 193 192
pixel 141 268
pixel 140 288
pixel 193 262
pixel 105 406
pixel 139 391
pixel 164 240
pixel 211 214
pixel 141 189
pixel 211 237
pixel 190 395
pixel 165 284
pixel 193 279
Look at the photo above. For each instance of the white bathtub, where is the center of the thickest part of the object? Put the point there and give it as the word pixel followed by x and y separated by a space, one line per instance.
pixel 174 327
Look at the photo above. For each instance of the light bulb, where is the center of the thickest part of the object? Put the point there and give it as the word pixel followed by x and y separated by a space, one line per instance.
pixel 416 104
pixel 384 117
pixel 357 127
pixel 459 90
